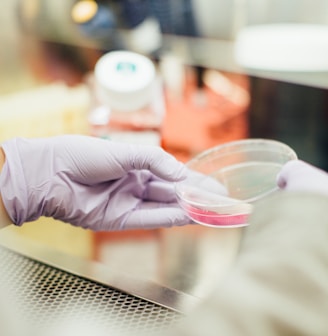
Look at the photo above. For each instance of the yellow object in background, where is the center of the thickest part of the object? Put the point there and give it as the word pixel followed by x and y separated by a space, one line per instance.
pixel 56 235
pixel 47 111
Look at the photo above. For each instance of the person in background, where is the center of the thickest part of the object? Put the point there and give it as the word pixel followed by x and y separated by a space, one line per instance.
pixel 278 284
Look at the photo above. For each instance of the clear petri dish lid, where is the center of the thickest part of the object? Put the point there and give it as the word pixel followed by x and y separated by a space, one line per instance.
pixel 224 182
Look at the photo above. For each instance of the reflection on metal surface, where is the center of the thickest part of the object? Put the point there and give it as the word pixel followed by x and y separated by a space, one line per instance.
pixel 47 298
pixel 173 267
pixel 100 273
pixel 187 259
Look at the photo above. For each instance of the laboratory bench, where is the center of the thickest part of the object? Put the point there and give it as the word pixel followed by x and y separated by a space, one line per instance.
pixel 152 280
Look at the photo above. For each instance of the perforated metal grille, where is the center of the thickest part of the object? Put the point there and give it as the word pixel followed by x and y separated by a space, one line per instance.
pixel 46 293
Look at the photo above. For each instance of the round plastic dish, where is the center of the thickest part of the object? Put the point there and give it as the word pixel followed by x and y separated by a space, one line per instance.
pixel 225 181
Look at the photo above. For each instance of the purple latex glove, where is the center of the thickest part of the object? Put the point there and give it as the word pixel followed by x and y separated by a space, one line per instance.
pixel 297 175
pixel 91 183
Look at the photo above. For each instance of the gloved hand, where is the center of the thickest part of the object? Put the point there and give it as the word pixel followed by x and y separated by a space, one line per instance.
pixel 91 183
pixel 297 175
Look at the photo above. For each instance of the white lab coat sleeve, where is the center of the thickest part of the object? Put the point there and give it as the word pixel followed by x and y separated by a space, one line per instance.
pixel 279 282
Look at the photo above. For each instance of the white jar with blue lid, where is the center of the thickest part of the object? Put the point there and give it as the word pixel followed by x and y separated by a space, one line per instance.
pixel 127 84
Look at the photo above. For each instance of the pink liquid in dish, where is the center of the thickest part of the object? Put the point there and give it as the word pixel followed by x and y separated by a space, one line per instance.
pixel 212 218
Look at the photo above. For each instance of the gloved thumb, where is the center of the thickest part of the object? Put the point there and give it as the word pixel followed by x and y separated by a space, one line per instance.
pixel 297 175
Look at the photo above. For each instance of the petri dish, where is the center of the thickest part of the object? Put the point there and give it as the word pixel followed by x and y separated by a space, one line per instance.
pixel 226 181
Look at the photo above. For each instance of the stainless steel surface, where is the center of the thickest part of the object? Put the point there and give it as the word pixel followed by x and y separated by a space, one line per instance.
pixel 96 271
pixel 51 285
pixel 48 295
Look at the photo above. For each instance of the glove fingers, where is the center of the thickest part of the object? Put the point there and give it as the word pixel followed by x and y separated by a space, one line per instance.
pixel 284 174
pixel 160 191
pixel 95 160
pixel 152 216
pixel 298 175
pixel 295 173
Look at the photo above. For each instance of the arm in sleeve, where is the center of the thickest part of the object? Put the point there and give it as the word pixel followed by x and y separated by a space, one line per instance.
pixel 279 283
